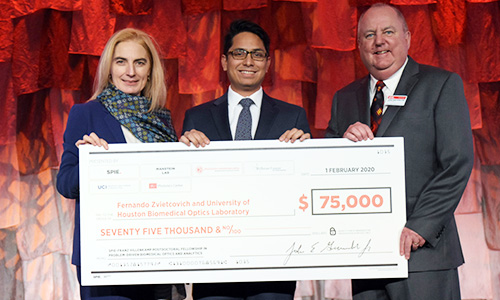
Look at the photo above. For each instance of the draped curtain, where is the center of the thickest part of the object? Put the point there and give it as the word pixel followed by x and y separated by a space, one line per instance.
pixel 49 51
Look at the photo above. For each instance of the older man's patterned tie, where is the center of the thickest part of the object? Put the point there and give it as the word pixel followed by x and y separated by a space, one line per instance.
pixel 244 126
pixel 377 107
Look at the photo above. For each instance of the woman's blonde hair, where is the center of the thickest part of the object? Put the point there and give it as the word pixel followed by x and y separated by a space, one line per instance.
pixel 155 89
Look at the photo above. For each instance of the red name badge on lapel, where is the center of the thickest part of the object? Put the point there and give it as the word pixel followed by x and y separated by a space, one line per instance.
pixel 396 100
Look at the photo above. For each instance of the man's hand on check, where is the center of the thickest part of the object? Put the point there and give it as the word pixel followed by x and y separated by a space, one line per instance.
pixel 294 134
pixel 358 132
pixel 410 241
pixel 197 138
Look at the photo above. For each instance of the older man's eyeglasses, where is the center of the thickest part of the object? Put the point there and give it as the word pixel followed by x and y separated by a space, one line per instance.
pixel 241 54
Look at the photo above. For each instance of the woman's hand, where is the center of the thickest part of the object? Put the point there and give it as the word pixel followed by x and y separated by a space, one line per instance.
pixel 92 139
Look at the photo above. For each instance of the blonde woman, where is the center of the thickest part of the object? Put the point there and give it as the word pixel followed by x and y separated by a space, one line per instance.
pixel 127 107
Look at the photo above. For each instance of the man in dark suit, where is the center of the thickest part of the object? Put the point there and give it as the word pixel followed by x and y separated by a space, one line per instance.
pixel 246 61
pixel 426 106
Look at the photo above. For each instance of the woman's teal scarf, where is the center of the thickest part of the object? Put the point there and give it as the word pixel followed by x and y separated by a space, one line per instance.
pixel 132 112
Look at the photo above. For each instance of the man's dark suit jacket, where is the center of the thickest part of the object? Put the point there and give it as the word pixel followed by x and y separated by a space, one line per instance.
pixel 438 153
pixel 276 117
pixel 212 119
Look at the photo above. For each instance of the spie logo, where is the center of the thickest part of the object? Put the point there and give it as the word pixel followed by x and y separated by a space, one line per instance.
pixel 153 186
pixel 199 170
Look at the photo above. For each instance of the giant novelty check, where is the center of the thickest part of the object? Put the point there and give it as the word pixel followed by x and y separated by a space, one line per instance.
pixel 242 211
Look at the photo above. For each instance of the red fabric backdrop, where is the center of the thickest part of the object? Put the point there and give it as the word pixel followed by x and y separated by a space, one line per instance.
pixel 49 51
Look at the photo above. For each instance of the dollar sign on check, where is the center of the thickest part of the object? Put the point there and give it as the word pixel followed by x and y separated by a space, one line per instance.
pixel 303 204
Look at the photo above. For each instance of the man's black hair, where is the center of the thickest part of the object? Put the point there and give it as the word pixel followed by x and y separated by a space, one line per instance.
pixel 239 26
